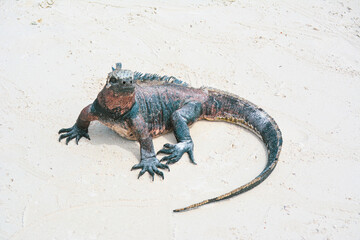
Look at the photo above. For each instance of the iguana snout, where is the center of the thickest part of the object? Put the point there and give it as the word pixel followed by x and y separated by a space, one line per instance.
pixel 120 80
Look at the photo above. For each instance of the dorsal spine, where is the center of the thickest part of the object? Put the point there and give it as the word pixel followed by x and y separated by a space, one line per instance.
pixel 156 77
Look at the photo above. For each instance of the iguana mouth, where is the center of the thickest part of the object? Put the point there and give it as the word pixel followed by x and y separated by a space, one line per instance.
pixel 119 87
pixel 123 89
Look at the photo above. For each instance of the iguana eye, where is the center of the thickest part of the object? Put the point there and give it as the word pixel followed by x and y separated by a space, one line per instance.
pixel 112 80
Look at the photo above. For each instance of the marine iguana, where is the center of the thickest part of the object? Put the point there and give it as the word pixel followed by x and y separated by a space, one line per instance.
pixel 143 106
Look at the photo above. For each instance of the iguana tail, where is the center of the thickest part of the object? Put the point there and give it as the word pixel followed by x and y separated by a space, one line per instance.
pixel 223 106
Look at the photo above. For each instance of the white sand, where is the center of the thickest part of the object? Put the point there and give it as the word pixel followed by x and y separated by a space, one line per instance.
pixel 299 61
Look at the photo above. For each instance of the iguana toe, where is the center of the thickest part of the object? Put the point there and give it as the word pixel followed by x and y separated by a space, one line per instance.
pixel 173 158
pixel 163 166
pixel 151 166
pixel 176 151
pixel 73 132
pixel 141 173
pixel 158 172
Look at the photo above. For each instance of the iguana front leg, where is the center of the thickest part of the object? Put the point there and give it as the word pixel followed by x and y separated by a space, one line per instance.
pixel 180 119
pixel 80 128
pixel 148 163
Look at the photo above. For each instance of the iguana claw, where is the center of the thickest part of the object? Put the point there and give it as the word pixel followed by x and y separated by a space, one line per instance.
pixel 73 132
pixel 151 166
pixel 176 151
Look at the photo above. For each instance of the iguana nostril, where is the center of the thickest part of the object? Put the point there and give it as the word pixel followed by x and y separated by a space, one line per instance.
pixel 112 80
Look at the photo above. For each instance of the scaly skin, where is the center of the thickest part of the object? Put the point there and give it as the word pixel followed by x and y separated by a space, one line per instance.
pixel 143 106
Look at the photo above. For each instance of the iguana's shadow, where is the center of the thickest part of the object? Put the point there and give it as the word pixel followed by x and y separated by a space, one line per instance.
pixel 101 134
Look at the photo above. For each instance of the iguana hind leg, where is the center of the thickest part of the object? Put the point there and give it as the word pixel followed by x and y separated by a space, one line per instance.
pixel 180 120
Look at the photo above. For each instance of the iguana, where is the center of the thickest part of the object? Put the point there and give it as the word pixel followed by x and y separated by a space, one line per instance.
pixel 143 106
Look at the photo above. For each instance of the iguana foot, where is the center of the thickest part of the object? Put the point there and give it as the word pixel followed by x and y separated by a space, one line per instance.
pixel 151 166
pixel 73 132
pixel 176 151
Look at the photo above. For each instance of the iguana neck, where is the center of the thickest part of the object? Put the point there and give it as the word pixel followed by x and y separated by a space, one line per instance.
pixel 119 102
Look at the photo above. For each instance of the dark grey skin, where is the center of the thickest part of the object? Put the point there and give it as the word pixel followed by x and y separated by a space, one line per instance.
pixel 140 119
pixel 143 106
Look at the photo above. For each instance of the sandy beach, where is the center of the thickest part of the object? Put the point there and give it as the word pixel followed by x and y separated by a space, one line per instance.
pixel 298 60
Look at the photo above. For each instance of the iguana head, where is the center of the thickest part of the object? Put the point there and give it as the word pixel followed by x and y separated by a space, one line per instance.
pixel 120 80
pixel 119 91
